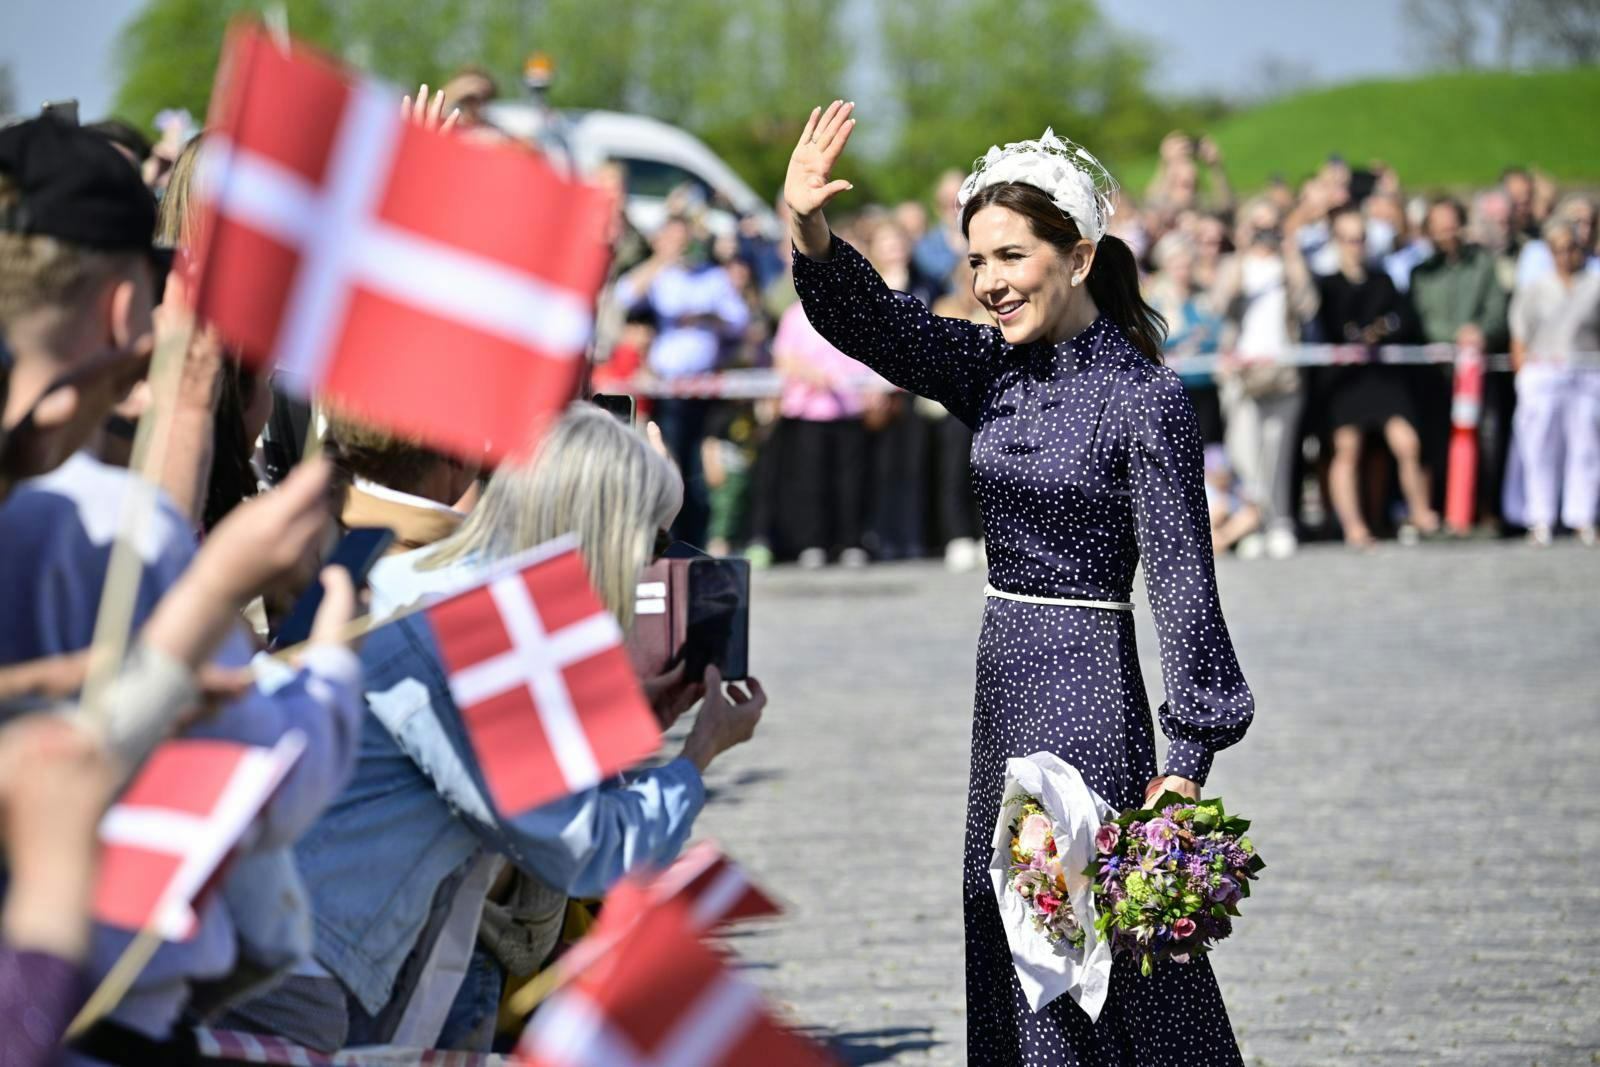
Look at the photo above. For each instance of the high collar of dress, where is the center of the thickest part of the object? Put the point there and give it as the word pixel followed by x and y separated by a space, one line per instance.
pixel 1072 355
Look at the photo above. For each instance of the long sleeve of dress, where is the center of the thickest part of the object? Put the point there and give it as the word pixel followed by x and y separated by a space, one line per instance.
pixel 1208 705
pixel 943 359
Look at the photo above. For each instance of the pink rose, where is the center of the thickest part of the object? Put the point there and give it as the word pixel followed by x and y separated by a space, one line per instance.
pixel 1106 838
pixel 1180 957
pixel 1035 832
pixel 1183 928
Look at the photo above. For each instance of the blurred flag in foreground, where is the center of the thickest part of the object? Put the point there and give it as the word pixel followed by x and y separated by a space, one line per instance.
pixel 435 285
pixel 712 890
pixel 537 669
pixel 166 838
pixel 663 998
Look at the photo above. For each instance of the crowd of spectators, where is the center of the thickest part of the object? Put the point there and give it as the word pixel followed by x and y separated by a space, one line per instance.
pixel 1300 446
pixel 380 898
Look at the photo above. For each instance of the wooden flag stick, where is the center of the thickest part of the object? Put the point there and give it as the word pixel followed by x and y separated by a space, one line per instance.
pixel 536 990
pixel 114 617
pixel 356 628
pixel 313 443
pixel 115 985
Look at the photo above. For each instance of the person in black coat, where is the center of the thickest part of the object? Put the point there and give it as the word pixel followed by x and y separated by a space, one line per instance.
pixel 1359 305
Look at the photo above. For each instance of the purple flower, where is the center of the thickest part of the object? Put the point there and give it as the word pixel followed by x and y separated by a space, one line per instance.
pixel 1159 833
pixel 1226 891
pixel 1199 867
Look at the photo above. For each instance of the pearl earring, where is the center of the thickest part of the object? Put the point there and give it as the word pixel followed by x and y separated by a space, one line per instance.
pixel 1075 282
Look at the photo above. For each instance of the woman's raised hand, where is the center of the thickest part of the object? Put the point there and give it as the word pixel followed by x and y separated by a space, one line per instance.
pixel 807 187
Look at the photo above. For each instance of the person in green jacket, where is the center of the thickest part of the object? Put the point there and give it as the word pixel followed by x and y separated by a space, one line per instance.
pixel 1460 301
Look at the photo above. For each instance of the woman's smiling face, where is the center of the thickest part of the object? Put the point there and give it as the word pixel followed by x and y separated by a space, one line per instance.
pixel 1024 281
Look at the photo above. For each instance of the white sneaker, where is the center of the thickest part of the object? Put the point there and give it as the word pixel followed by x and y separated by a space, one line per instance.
pixel 854 558
pixel 1281 543
pixel 812 559
pixel 961 555
pixel 1588 537
pixel 1250 546
pixel 1540 536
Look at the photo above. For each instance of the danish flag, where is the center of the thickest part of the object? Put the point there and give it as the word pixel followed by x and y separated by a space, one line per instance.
pixel 712 890
pixel 544 687
pixel 427 282
pixel 168 835
pixel 664 1000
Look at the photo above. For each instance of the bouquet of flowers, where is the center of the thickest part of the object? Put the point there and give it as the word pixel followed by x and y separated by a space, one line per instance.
pixel 1168 878
pixel 1036 874
pixel 1043 839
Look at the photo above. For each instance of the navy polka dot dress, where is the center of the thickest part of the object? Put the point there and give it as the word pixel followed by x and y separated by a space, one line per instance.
pixel 1085 457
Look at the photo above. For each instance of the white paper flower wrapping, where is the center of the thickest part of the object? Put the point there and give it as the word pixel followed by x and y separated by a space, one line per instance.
pixel 1068 173
pixel 1045 970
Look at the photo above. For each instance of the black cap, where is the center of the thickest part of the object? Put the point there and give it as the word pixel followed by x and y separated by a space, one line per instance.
pixel 75 187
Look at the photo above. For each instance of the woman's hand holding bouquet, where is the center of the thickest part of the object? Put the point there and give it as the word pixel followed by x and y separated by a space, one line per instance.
pixel 1168 878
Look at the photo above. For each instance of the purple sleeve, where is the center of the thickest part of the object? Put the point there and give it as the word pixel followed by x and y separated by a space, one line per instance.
pixel 39 995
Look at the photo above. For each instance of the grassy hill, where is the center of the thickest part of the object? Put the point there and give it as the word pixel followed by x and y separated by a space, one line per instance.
pixel 1442 131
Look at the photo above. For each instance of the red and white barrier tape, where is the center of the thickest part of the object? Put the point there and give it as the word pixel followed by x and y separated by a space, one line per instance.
pixel 758 384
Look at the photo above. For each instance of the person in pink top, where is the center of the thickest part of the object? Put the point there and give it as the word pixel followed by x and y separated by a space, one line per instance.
pixel 824 441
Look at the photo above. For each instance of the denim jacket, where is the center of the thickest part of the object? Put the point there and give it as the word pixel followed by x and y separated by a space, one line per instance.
pixel 417 810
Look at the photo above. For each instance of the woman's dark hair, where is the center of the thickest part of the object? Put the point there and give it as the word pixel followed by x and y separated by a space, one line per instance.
pixel 233 479
pixel 1114 275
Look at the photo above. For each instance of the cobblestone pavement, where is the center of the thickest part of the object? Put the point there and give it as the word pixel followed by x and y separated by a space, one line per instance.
pixel 1421 776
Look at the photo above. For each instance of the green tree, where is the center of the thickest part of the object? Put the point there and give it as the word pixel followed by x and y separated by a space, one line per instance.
pixel 168 53
pixel 971 73
pixel 740 73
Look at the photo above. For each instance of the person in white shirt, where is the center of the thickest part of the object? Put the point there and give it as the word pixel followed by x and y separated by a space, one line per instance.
pixel 1555 336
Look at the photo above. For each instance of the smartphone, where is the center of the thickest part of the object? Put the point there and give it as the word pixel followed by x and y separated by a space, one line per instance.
pixel 717 630
pixel 360 549
pixel 63 111
pixel 620 405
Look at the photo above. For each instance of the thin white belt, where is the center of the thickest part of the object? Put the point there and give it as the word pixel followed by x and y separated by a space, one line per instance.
pixel 1108 605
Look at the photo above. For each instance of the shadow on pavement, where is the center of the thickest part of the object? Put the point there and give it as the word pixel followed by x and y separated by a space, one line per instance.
pixel 873 1046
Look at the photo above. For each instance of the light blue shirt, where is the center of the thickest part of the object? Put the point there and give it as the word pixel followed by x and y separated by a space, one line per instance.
pixel 678 293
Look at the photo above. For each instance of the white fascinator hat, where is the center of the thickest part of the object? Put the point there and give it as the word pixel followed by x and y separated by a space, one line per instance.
pixel 1066 172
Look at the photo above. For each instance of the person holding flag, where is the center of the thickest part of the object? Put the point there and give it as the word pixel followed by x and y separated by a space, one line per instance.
pixel 450 792
pixel 76 274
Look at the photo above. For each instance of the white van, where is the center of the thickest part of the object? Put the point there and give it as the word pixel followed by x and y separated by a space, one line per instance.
pixel 658 158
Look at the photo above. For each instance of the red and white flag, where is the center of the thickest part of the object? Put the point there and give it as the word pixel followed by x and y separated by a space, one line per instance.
pixel 544 687
pixel 663 1000
pixel 712 890
pixel 435 285
pixel 170 832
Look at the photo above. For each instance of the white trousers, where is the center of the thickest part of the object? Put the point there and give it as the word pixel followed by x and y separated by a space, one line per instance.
pixel 1261 439
pixel 1555 436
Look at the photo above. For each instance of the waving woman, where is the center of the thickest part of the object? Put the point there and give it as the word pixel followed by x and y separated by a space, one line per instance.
pixel 1085 459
